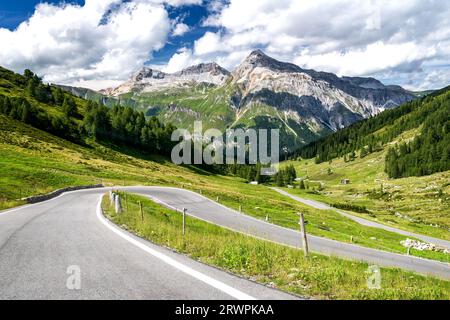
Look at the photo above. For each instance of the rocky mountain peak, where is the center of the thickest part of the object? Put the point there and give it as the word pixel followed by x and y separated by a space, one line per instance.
pixel 258 59
pixel 147 73
pixel 211 68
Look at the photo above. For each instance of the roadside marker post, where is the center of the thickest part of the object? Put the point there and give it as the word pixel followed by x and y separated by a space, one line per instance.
pixel 111 196
pixel 303 232
pixel 408 250
pixel 141 209
pixel 118 207
pixel 240 208
pixel 217 199
pixel 184 221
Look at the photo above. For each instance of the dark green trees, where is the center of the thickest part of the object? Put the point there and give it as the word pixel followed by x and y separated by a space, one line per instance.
pixel 285 176
pixel 427 153
pixel 127 126
pixel 69 107
pixel 36 88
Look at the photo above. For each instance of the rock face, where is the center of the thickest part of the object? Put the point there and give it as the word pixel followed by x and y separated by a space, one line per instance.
pixel 149 80
pixel 318 96
pixel 263 93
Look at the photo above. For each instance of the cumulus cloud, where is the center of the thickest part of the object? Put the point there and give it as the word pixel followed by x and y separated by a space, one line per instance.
pixel 180 60
pixel 95 44
pixel 103 41
pixel 180 29
pixel 348 37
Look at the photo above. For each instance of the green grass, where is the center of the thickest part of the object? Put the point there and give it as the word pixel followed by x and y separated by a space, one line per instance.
pixel 268 263
pixel 262 202
pixel 33 162
pixel 416 204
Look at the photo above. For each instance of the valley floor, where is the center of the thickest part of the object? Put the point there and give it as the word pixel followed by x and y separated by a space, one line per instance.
pixel 416 204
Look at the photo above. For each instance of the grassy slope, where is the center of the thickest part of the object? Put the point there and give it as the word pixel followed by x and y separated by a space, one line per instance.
pixel 268 263
pixel 200 102
pixel 33 162
pixel 10 89
pixel 418 204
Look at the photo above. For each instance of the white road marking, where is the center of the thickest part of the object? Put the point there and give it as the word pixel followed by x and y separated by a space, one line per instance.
pixel 31 205
pixel 183 268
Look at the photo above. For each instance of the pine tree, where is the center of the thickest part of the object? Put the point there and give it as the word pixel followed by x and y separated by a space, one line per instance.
pixel 69 107
pixel 58 97
pixel 279 179
pixel 302 185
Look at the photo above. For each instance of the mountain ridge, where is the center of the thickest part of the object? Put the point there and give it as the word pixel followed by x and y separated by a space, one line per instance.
pixel 261 92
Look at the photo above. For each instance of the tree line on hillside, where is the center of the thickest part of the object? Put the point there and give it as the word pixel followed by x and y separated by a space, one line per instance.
pixel 122 125
pixel 371 134
pixel 26 111
pixel 125 125
pixel 427 153
pixel 252 173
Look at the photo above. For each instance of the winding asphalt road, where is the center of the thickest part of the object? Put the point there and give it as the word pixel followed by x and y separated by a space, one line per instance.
pixel 38 243
pixel 365 222
pixel 210 211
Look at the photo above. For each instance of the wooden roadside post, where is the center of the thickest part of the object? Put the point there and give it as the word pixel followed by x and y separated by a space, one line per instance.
pixel 184 221
pixel 303 232
pixel 126 202
pixel 408 250
pixel 240 208
pixel 141 210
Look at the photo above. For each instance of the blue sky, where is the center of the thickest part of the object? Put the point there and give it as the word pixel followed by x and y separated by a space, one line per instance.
pixel 12 13
pixel 100 43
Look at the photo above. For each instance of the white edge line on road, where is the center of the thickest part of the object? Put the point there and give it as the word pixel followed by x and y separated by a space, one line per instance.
pixel 183 268
pixel 31 204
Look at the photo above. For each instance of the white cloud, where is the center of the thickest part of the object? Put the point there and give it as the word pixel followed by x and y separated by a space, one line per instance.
pixel 375 57
pixel 106 40
pixel 210 42
pixel 177 3
pixel 349 37
pixel 182 59
pixel 180 29
pixel 102 41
